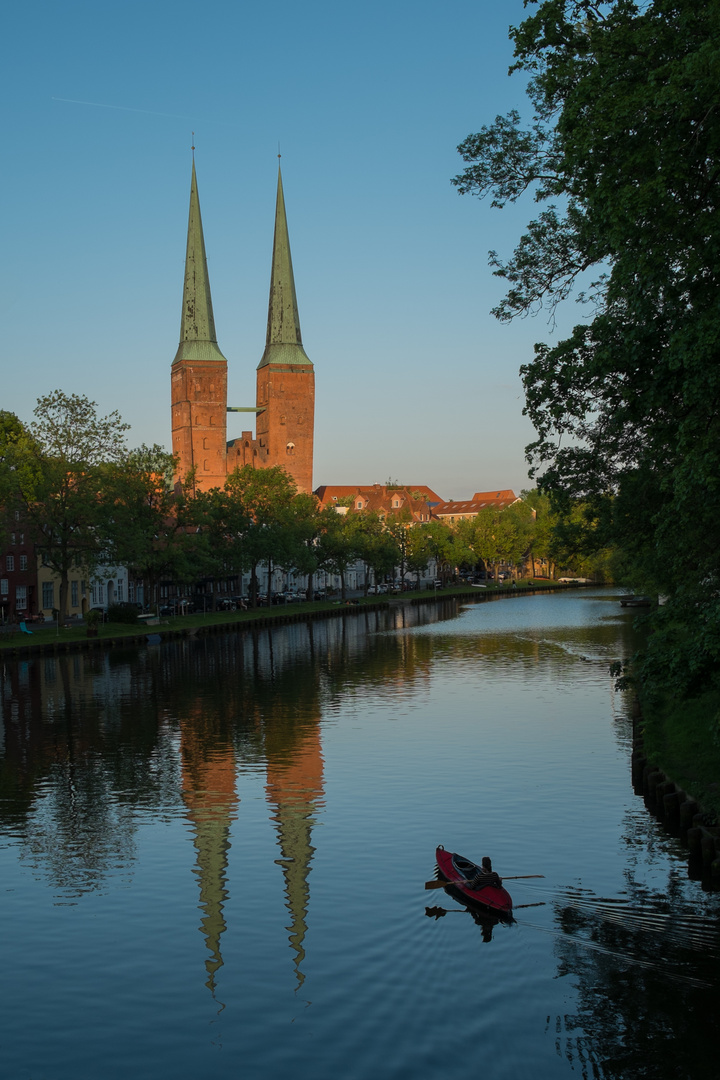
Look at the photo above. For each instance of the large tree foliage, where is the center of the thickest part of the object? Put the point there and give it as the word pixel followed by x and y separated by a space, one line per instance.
pixel 266 496
pixel 624 154
pixel 55 473
pixel 159 531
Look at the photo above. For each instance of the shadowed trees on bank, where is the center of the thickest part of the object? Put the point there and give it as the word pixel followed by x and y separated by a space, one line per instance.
pixel 622 154
pixel 53 474
pixel 87 502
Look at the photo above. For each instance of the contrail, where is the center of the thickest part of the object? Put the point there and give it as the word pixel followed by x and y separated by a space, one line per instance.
pixel 121 108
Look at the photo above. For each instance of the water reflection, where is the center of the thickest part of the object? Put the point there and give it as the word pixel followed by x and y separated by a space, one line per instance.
pixel 90 741
pixel 641 963
pixel 396 730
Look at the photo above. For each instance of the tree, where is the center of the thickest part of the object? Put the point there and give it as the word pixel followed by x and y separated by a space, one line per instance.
pixel 623 151
pixel 447 547
pixel 56 478
pixel 266 495
pixel 302 526
pixel 418 553
pixel 400 523
pixel 225 521
pixel 375 546
pixel 158 530
pixel 339 543
pixel 478 534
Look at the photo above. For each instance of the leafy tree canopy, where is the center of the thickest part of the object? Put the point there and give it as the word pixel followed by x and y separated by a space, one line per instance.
pixel 622 154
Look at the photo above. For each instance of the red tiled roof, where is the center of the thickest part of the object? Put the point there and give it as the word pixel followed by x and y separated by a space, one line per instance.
pixel 506 496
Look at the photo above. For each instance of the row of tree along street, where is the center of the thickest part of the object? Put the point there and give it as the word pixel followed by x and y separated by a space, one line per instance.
pixel 86 501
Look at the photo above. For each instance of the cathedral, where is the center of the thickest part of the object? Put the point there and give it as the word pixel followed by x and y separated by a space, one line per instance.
pixel 285 397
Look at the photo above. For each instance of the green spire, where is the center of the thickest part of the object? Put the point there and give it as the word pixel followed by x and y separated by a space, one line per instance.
pixel 284 340
pixel 197 325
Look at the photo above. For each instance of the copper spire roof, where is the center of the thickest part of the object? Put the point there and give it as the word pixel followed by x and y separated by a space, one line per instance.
pixel 198 340
pixel 284 340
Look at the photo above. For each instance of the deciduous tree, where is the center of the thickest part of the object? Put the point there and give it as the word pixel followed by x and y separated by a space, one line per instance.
pixel 623 152
pixel 57 479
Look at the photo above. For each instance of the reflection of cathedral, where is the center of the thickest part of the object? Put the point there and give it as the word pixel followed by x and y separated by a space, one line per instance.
pixel 84 737
pixel 289 743
pixel 294 788
pixel 208 785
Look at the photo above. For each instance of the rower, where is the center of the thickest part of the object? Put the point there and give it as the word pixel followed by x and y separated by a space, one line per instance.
pixel 485 876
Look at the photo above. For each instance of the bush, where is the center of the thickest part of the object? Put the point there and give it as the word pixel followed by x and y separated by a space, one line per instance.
pixel 122 613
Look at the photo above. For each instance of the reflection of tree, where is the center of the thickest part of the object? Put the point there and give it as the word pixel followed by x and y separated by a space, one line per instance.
pixel 79 833
pixel 73 766
pixel 639 965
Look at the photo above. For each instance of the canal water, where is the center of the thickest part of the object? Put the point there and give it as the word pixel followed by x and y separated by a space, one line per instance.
pixel 213 854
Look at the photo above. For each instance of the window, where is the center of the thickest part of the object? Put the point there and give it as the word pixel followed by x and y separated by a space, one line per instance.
pixel 131 591
pixel 4 583
pixel 9 562
pixel 12 538
pixel 23 562
pixel 74 601
pixel 48 594
pixel 21 597
pixel 119 592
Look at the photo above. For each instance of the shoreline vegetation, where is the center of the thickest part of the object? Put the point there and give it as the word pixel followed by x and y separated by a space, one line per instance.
pixel 682 739
pixel 53 637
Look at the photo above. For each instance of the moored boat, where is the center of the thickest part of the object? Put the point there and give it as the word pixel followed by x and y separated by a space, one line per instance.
pixel 457 872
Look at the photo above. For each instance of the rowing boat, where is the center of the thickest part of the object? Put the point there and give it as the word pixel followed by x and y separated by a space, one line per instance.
pixel 456 871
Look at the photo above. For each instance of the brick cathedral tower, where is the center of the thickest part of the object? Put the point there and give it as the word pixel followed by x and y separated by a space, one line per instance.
pixel 199 370
pixel 285 375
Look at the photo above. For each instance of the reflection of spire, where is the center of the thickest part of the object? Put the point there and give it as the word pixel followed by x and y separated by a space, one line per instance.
pixel 209 794
pixel 294 786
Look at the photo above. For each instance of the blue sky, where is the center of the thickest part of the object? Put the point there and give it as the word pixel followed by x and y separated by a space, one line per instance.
pixel 415 379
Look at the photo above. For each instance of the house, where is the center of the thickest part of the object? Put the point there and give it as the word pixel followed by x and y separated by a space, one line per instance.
pixel 18 576
pixel 105 586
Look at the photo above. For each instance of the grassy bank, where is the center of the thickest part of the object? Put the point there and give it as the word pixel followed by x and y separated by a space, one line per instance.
pixel 683 740
pixel 50 636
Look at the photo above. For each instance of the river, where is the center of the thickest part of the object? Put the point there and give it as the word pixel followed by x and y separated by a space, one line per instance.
pixel 213 854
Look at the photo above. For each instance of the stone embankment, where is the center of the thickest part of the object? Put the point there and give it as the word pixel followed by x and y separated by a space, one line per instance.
pixel 679 814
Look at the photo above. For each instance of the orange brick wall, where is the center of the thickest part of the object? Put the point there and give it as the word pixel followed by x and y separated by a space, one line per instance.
pixel 199 421
pixel 286 425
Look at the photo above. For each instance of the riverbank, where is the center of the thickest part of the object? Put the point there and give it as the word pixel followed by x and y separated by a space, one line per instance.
pixel 44 638
pixel 682 740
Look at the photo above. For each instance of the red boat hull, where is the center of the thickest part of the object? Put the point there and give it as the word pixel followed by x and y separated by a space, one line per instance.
pixel 454 869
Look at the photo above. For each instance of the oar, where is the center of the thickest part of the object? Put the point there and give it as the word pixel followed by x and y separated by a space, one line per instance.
pixel 438 912
pixel 442 884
